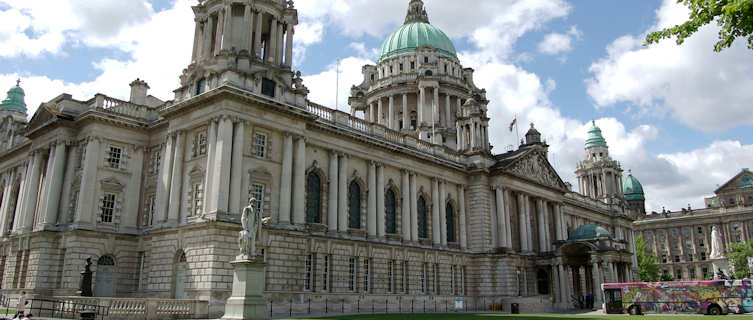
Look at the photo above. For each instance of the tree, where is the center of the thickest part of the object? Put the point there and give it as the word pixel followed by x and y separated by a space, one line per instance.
pixel 737 256
pixel 735 17
pixel 646 261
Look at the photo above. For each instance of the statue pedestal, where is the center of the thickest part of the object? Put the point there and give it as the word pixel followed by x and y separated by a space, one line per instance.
pixel 720 264
pixel 247 300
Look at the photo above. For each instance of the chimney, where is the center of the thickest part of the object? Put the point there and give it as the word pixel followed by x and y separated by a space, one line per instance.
pixel 139 89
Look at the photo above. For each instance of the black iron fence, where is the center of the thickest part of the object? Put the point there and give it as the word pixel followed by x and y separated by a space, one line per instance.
pixel 329 306
pixel 49 308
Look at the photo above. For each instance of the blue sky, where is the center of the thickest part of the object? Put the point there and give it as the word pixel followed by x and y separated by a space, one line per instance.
pixel 680 117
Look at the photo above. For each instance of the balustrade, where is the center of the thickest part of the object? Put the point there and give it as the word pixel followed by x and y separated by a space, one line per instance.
pixel 121 107
pixel 144 308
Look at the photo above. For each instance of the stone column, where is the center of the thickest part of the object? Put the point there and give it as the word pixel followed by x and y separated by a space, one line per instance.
pixel 421 104
pixel 218 35
pixel 380 112
pixel 271 48
pixel 289 46
pixel 406 116
pixel 223 156
pixel 236 178
pixel 564 297
pixel 442 214
pixel 196 40
pixel 209 175
pixel 257 34
pixel 227 29
pixel 248 36
pixel 7 190
pixel 413 208
pixel 435 108
pixel 582 278
pixel 508 223
pixel 391 110
pixel 163 183
pixel 206 42
pixel 597 284
pixel 371 221
pixel 501 223
pixel 461 209
pixel 342 194
pixel 405 209
pixel 299 181
pixel 372 113
pixel 380 200
pixel 529 227
pixel 286 178
pixel 557 224
pixel 435 228
pixel 56 184
pixel 522 223
pixel 542 227
pixel 334 181
pixel 18 219
pixel 280 49
pixel 176 182
pixel 85 203
pixel 447 118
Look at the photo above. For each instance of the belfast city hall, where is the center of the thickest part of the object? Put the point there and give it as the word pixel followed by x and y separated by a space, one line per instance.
pixel 402 197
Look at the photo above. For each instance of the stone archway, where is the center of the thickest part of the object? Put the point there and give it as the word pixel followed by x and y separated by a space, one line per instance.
pixel 179 278
pixel 104 284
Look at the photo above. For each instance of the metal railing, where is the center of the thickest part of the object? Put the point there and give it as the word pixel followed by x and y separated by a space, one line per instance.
pixel 51 308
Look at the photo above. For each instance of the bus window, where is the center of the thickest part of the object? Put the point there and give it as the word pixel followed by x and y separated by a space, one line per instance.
pixel 613 301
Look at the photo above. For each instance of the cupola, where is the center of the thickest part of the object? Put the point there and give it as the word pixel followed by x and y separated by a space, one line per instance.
pixel 417 32
pixel 14 100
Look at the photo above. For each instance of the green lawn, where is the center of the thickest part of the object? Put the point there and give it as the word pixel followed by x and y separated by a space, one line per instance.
pixel 471 316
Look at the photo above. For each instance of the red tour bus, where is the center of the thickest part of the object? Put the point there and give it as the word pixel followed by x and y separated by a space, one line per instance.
pixel 707 297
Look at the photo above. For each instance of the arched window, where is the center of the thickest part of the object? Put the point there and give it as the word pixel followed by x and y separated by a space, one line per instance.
pixel 104 284
pixel 542 281
pixel 422 232
pixel 389 212
pixel 450 215
pixel 354 206
pixel 428 73
pixel 313 198
pixel 180 268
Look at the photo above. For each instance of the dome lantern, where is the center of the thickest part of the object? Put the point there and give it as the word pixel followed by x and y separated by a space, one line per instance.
pixel 595 139
pixel 15 99
pixel 415 33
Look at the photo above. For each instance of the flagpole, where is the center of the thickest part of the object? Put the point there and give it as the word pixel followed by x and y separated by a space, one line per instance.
pixel 517 131
pixel 337 84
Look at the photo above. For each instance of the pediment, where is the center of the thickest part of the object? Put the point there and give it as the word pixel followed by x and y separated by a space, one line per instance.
pixel 534 166
pixel 42 117
pixel 742 180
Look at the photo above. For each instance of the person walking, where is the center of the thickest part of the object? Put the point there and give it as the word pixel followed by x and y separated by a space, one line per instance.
pixel 21 306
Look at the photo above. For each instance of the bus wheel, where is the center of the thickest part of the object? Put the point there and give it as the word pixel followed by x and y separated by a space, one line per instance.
pixel 715 310
pixel 634 310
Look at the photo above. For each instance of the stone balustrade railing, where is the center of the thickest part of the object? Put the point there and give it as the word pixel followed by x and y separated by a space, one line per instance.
pixel 145 308
pixel 341 118
pixel 121 107
pixel 594 204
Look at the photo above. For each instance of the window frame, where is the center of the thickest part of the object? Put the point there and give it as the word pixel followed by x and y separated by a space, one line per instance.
pixel 108 211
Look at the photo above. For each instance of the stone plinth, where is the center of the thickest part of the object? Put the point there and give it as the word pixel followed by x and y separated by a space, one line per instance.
pixel 721 264
pixel 247 300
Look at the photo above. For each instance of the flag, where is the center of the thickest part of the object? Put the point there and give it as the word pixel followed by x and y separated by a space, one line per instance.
pixel 512 124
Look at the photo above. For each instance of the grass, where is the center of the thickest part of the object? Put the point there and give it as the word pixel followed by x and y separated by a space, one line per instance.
pixel 471 316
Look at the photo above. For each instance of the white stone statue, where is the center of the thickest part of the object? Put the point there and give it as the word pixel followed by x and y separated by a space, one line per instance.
pixel 717 246
pixel 251 232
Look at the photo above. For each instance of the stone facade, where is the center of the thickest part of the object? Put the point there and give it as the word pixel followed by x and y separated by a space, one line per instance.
pixel 357 207
pixel 681 240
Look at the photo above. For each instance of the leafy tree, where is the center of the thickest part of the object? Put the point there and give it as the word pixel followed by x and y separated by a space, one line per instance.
pixel 735 17
pixel 646 261
pixel 737 256
pixel 667 277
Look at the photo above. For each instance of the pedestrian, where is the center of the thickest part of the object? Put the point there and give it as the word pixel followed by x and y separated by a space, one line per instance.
pixel 21 305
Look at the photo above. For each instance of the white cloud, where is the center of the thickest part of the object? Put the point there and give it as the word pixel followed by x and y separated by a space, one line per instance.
pixel 556 43
pixel 323 85
pixel 700 88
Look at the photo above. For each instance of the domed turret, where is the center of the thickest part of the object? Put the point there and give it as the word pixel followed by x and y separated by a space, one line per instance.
pixel 589 232
pixel 15 100
pixel 632 188
pixel 595 139
pixel 416 33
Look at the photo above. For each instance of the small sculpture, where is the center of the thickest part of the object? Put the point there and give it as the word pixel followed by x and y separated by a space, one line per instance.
pixel 251 223
pixel 717 249
pixel 85 287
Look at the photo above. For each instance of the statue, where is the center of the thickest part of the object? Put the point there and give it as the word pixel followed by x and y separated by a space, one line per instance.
pixel 717 246
pixel 85 287
pixel 251 223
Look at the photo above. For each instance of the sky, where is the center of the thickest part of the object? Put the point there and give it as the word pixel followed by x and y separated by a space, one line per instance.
pixel 679 117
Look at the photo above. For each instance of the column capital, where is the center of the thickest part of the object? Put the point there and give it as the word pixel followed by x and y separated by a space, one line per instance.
pixel 462 186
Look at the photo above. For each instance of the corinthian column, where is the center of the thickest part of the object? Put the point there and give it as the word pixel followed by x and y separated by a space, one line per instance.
pixel 405 210
pixel 222 160
pixel 501 224
pixel 461 223
pixel 413 208
pixel 286 178
pixel 391 117
pixel 342 195
pixel 176 183
pixel 522 223
pixel 442 214
pixel 236 178
pixel 435 225
pixel 380 200
pixel 209 175
pixel 333 192
pixel 371 219
pixel 406 116
pixel 299 181
pixel 56 184
pixel 289 46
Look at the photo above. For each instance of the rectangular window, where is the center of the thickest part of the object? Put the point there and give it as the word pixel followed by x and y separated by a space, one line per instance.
pixel 268 87
pixel 423 278
pixel 412 65
pixel 678 274
pixel 690 257
pixel 108 208
pixel 257 192
pixel 435 278
pixel 692 274
pixel 738 239
pixel 260 145
pixel 700 243
pixel 664 258
pixel 700 229
pixel 114 157
pixel 462 280
pixel 688 244
pixel 452 279
pixel 401 67
pixel 677 259
pixel 325 274
pixel 366 275
pixel 308 273
pixel 154 161
pixel 197 193
pixel 352 273
pixel 705 273
pixel 391 276
pixel 148 215
pixel 200 144
pixel 404 282
pixel 703 256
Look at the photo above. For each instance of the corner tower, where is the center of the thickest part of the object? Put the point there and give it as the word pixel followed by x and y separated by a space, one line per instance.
pixel 12 117
pixel 599 177
pixel 419 87
pixel 636 199
pixel 244 43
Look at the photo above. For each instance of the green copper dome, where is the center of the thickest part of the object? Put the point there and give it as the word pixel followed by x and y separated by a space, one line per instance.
pixel 595 139
pixel 589 232
pixel 415 33
pixel 632 188
pixel 15 100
